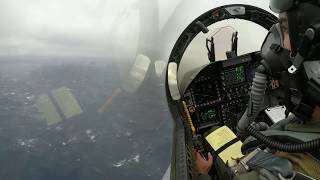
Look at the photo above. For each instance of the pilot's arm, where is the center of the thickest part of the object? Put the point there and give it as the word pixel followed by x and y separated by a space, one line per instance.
pixel 203 166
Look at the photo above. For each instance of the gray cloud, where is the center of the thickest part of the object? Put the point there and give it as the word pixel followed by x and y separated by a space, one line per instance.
pixel 87 27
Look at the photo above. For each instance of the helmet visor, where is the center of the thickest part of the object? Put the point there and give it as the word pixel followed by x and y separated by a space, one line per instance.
pixel 279 6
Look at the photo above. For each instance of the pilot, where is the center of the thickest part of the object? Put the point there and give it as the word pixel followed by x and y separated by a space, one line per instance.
pixel 204 166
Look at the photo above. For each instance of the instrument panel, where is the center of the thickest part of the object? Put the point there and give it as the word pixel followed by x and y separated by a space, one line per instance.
pixel 220 92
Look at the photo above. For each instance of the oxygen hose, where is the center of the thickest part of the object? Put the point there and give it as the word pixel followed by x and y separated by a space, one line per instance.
pixel 259 86
pixel 292 148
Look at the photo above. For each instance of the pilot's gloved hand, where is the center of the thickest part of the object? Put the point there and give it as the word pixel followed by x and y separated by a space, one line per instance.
pixel 203 165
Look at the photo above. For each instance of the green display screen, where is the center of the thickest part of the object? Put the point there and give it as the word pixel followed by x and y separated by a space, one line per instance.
pixel 211 114
pixel 235 75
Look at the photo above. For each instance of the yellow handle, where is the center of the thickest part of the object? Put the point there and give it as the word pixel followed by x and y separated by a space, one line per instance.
pixel 189 120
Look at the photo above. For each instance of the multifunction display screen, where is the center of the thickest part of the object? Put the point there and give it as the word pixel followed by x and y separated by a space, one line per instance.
pixel 235 75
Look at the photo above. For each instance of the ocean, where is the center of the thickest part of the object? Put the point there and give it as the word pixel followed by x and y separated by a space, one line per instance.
pixel 130 139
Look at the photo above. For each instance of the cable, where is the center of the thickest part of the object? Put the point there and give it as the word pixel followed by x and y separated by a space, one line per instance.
pixel 292 148
pixel 255 103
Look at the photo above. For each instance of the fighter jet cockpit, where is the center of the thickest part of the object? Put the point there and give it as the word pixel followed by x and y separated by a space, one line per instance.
pixel 225 76
pixel 212 84
pixel 140 89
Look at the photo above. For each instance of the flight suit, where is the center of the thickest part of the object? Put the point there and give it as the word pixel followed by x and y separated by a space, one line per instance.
pixel 305 163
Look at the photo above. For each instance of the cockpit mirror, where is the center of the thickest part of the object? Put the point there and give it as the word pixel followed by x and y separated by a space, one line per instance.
pixel 236 10
pixel 173 82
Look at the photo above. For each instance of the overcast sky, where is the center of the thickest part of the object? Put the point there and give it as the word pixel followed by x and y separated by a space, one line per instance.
pixel 87 27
